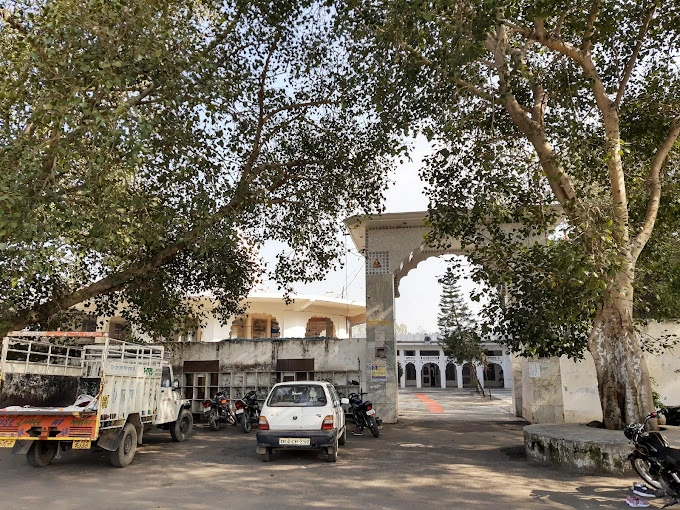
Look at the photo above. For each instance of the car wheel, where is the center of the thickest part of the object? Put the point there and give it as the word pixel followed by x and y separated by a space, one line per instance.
pixel 343 437
pixel 333 457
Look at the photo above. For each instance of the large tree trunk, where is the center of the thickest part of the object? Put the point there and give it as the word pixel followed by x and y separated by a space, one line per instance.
pixel 622 376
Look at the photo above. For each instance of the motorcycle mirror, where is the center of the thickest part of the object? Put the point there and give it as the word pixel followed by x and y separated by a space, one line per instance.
pixel 344 401
pixel 175 384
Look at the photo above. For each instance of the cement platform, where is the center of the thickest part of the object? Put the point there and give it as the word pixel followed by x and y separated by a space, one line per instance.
pixel 585 448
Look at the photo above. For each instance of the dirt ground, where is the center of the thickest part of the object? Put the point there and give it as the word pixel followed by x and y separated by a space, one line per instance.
pixel 470 456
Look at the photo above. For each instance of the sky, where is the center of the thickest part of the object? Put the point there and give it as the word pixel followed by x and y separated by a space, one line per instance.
pixel 418 306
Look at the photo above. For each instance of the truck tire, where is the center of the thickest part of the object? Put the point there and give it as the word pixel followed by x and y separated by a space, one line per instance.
pixel 41 453
pixel 123 455
pixel 181 429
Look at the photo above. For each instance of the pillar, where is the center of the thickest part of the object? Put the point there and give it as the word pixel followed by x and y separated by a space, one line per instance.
pixel 382 390
pixel 442 373
pixel 480 374
pixel 459 375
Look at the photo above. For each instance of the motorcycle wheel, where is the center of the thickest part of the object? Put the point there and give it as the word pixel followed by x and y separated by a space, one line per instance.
pixel 641 467
pixel 373 425
pixel 214 420
pixel 245 422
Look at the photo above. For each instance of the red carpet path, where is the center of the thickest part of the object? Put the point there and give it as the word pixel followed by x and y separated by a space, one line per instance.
pixel 431 404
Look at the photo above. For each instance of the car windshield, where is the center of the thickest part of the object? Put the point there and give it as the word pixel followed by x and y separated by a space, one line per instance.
pixel 297 395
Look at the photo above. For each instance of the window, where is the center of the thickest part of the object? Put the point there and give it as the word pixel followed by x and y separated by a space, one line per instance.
pixel 429 353
pixel 409 353
pixel 89 324
pixel 320 327
pixel 298 395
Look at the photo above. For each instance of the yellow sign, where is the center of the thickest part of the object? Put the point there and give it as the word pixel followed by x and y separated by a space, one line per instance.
pixel 7 443
pixel 378 370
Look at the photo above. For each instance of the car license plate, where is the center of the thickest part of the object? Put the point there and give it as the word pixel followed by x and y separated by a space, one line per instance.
pixel 81 444
pixel 239 411
pixel 370 413
pixel 297 441
pixel 7 443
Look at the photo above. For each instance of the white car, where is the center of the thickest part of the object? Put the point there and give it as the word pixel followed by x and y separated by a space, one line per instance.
pixel 302 415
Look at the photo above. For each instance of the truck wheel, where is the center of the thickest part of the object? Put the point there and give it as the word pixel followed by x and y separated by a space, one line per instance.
pixel 181 429
pixel 41 453
pixel 125 452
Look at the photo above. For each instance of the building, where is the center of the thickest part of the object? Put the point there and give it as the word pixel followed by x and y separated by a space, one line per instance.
pixel 424 365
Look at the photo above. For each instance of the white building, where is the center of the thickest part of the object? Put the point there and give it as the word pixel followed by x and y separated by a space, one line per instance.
pixel 424 365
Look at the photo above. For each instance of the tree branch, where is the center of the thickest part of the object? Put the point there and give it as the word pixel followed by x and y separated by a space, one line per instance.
pixel 587 41
pixel 636 51
pixel 654 181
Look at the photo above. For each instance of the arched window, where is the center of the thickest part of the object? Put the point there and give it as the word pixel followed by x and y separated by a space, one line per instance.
pixel 320 327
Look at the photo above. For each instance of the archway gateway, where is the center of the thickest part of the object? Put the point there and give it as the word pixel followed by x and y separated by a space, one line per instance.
pixel 393 246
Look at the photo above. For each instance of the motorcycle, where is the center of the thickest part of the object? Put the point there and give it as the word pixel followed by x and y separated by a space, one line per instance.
pixel 364 414
pixel 248 411
pixel 653 459
pixel 218 411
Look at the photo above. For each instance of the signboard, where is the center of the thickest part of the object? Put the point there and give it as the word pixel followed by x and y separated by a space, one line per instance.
pixel 379 370
pixel 535 370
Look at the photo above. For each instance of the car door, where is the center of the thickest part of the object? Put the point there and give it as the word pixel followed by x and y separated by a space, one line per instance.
pixel 338 412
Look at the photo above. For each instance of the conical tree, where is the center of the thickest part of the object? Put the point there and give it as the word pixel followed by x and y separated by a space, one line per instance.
pixel 458 332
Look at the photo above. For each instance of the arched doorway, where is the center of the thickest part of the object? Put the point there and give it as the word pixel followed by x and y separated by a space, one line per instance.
pixel 431 376
pixel 451 375
pixel 493 376
pixel 468 382
pixel 410 374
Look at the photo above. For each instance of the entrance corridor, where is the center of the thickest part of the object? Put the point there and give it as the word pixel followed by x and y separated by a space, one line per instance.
pixel 454 404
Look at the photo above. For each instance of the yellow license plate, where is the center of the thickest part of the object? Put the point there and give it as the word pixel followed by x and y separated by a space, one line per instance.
pixel 81 444
pixel 7 443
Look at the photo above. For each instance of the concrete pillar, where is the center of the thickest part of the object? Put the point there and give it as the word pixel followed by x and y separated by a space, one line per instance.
pixel 442 373
pixel 402 381
pixel 419 374
pixel 249 327
pixel 459 375
pixel 380 330
pixel 480 374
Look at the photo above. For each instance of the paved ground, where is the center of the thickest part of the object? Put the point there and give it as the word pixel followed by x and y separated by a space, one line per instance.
pixel 469 455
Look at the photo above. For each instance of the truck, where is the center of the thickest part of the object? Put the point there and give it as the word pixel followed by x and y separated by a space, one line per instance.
pixel 80 390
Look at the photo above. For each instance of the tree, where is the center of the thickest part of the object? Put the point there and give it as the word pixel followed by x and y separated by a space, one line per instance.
pixel 531 104
pixel 458 330
pixel 149 148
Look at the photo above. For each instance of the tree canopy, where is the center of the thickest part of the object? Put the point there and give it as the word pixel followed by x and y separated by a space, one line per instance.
pixel 532 104
pixel 149 148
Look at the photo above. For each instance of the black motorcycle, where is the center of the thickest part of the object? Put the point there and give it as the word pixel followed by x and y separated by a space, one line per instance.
pixel 364 414
pixel 218 411
pixel 654 460
pixel 248 411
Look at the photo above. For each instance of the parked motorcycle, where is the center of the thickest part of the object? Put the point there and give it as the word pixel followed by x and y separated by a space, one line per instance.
pixel 653 459
pixel 248 411
pixel 218 411
pixel 364 414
